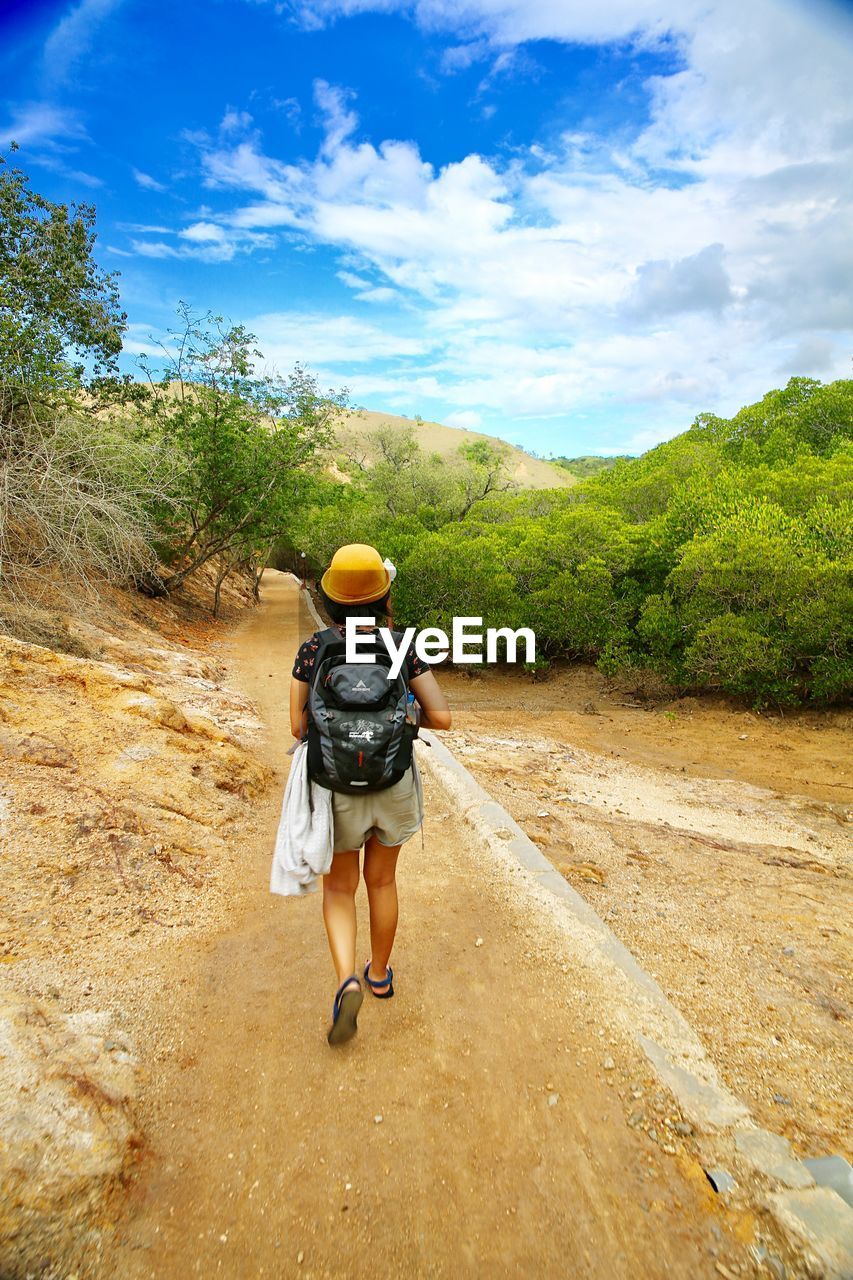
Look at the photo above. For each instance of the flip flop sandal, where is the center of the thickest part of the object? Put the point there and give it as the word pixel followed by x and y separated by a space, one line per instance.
pixel 345 1012
pixel 376 986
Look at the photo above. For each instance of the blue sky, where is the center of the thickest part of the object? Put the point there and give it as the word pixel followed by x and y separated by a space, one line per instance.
pixel 572 223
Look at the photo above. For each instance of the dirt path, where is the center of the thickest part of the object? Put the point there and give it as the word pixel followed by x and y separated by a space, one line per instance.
pixel 502 1148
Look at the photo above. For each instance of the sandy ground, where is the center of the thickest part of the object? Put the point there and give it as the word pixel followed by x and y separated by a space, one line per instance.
pixel 716 844
pixel 483 1122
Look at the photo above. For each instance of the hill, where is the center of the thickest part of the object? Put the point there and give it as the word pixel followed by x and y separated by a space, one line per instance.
pixel 433 437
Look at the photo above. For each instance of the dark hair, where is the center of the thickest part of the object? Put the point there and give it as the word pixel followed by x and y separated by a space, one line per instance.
pixel 340 612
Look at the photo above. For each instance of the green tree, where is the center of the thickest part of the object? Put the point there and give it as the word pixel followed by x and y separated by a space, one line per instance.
pixel 60 315
pixel 247 445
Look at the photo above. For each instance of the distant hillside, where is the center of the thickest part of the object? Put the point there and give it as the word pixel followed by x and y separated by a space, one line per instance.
pixel 433 437
pixel 589 464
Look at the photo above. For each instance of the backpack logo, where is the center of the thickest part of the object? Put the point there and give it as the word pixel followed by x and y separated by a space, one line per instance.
pixel 361 735
pixel 361 686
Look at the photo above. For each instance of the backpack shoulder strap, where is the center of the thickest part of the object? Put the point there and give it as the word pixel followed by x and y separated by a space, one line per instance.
pixel 327 639
pixel 404 670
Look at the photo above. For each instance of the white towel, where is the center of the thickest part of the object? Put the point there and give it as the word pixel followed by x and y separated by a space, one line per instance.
pixel 303 845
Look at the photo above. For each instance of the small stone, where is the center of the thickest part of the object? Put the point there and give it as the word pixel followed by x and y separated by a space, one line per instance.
pixel 609 1064
pixel 543 813
pixel 377 1119
pixel 479 942
pixel 720 1180
pixel 682 1127
pixel 553 1099
pixel 743 736
pixel 787 951
pixel 300 1257
pixel 781 1100
pixel 635 1119
pixel 223 1239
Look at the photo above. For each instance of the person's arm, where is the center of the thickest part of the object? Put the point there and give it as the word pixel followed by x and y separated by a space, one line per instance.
pixel 435 713
pixel 298 707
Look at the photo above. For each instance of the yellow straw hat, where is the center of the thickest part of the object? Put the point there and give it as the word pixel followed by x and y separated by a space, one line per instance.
pixel 356 575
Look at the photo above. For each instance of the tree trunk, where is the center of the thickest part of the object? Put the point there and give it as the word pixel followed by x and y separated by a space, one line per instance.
pixel 224 568
pixel 258 572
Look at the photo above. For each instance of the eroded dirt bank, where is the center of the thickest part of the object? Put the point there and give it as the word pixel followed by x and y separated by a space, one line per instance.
pixel 716 844
pixel 126 774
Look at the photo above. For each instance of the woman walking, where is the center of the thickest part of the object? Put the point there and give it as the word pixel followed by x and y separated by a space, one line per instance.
pixel 357 584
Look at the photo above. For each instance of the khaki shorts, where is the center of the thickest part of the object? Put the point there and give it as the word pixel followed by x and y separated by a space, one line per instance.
pixel 392 815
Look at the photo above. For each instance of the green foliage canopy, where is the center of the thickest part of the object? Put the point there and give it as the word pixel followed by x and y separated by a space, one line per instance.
pixel 246 444
pixel 722 558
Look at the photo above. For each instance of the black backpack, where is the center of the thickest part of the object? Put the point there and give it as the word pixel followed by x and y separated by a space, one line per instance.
pixel 359 732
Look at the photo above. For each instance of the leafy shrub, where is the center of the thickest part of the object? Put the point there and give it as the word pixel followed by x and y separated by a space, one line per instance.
pixel 720 560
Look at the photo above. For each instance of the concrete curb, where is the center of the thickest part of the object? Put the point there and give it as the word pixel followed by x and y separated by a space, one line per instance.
pixel 309 600
pixel 814 1220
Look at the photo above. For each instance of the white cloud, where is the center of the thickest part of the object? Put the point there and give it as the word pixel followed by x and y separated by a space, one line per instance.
pixel 205 241
pixel 204 233
pixel 73 36
pixel 352 281
pixel 144 228
pixel 147 183
pixel 44 124
pixel 331 341
pixel 338 120
pixel 461 56
pixel 155 249
pixel 512 22
pixel 380 294
pixel 365 291
pixel 695 283
pixel 676 272
pixel 468 419
pixel 291 109
pixel 235 122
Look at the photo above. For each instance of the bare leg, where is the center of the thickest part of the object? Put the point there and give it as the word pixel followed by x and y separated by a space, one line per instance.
pixel 339 888
pixel 380 868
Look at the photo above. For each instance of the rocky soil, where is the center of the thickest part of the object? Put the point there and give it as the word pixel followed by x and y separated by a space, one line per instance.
pixel 124 782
